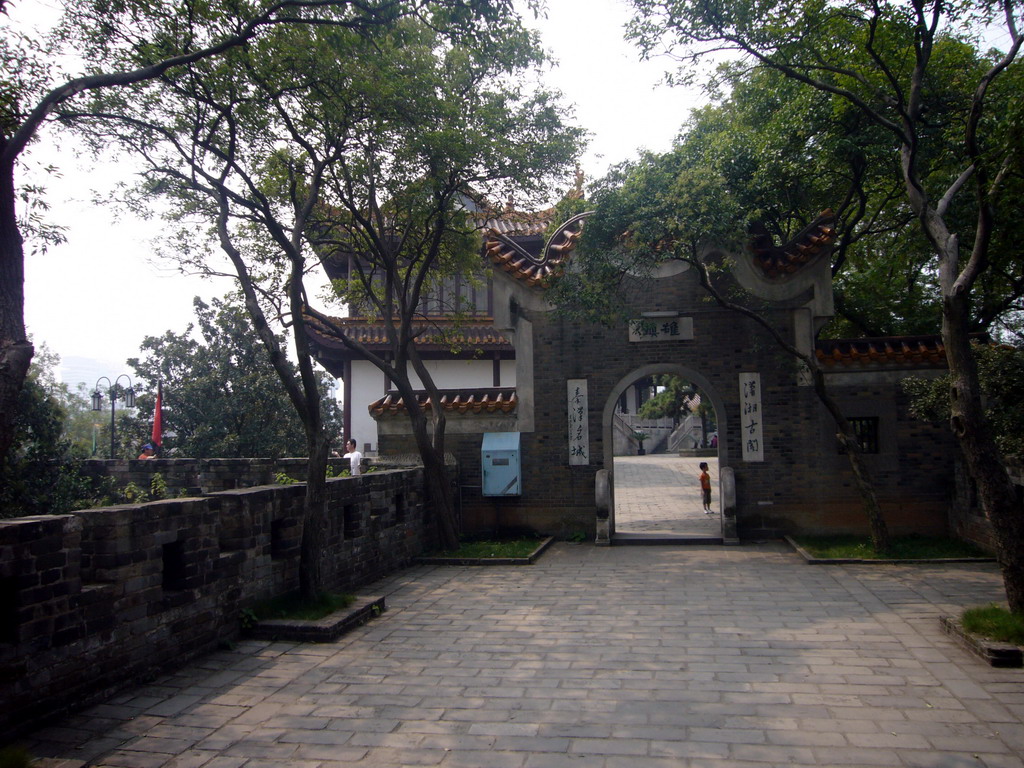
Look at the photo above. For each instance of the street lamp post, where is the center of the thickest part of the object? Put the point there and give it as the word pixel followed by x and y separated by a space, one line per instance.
pixel 97 401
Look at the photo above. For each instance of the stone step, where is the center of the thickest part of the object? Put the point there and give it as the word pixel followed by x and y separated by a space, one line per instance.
pixel 657 539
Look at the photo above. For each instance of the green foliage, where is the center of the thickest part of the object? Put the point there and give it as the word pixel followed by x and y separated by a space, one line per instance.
pixel 247 618
pixel 15 757
pixel 994 622
pixel 157 487
pixel 499 548
pixel 671 400
pixel 293 606
pixel 221 396
pixel 843 547
pixel 1001 371
pixel 659 208
pixel 445 131
pixel 821 108
pixel 282 478
pixel 35 475
pixel 787 153
pixel 134 494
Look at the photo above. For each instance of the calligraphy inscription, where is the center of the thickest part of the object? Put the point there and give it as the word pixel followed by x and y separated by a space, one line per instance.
pixel 579 430
pixel 665 329
pixel 751 417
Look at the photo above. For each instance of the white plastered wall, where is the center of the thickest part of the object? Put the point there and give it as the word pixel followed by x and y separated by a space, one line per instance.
pixel 368 385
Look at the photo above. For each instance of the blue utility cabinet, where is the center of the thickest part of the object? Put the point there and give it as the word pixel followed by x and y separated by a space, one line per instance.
pixel 500 463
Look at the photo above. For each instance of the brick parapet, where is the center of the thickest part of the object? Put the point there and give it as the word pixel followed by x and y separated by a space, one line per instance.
pixel 92 600
pixel 199 476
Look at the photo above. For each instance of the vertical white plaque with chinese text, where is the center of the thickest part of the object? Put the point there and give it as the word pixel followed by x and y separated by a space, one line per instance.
pixel 579 429
pixel 751 432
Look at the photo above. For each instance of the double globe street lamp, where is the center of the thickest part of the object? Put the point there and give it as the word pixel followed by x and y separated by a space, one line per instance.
pixel 115 393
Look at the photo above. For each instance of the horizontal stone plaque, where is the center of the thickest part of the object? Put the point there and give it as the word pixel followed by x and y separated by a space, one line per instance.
pixel 661 329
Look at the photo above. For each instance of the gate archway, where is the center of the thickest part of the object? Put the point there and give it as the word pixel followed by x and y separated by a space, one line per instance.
pixel 686 373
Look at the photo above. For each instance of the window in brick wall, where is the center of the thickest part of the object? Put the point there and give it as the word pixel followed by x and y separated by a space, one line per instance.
pixel 174 565
pixel 8 610
pixel 866 430
pixel 278 539
pixel 351 521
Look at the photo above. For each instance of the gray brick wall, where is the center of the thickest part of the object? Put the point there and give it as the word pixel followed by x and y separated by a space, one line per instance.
pixel 97 599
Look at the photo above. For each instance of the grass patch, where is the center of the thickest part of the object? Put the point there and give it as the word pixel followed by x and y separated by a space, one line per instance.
pixel 15 757
pixel 995 623
pixel 294 607
pixel 903 548
pixel 503 548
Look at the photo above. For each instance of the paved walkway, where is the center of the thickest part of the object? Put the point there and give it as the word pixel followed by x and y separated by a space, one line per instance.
pixel 661 494
pixel 620 657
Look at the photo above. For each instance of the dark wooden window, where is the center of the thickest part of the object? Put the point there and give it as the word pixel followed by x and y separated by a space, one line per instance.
pixel 866 430
pixel 458 294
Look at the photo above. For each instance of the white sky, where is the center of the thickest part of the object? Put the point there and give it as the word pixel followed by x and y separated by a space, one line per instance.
pixel 101 293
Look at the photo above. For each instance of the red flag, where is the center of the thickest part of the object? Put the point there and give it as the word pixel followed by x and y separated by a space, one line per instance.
pixel 158 416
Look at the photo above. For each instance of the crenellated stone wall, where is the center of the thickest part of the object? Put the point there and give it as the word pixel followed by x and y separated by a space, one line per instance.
pixel 98 599
pixel 198 476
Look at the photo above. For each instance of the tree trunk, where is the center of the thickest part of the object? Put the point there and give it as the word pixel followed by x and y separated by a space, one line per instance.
pixel 880 540
pixel 996 493
pixel 15 350
pixel 439 489
pixel 314 522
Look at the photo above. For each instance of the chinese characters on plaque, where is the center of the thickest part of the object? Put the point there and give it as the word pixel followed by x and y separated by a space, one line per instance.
pixel 661 329
pixel 579 429
pixel 751 433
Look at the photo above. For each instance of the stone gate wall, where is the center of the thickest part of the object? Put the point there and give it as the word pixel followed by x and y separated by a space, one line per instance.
pixel 99 599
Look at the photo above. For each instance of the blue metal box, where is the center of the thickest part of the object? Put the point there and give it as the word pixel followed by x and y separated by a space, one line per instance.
pixel 500 464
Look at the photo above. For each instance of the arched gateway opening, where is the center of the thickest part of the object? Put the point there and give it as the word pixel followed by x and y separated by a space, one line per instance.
pixel 654 491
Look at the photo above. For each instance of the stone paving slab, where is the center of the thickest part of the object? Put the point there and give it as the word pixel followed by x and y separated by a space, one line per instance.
pixel 596 657
pixel 660 494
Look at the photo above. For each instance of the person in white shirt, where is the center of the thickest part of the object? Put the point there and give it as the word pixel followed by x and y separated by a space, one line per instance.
pixel 355 458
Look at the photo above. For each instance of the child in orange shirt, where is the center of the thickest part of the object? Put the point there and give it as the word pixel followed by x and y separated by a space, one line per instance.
pixel 705 487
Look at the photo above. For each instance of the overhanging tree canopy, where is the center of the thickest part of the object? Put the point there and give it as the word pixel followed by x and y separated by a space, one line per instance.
pixel 120 45
pixel 961 177
pixel 372 138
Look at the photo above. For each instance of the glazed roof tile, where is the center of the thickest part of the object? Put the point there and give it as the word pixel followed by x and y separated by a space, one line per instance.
pixel 810 242
pixel 533 269
pixel 434 333
pixel 925 351
pixel 515 223
pixel 491 400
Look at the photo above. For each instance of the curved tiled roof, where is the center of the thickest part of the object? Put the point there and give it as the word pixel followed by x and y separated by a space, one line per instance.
pixel 515 223
pixel 433 333
pixel 492 400
pixel 811 241
pixel 512 257
pixel 926 351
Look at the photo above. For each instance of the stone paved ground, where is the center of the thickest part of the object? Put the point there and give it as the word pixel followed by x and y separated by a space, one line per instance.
pixel 621 657
pixel 660 493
